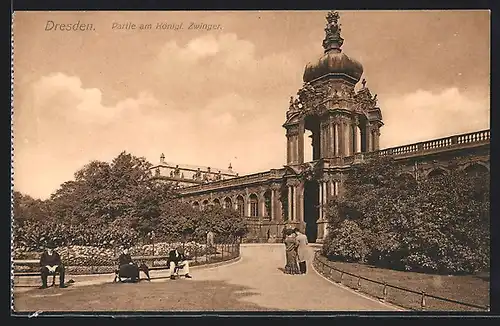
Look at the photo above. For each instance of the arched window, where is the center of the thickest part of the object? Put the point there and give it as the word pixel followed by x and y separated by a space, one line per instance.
pixel 204 205
pixel 228 203
pixel 196 205
pixel 254 205
pixel 216 202
pixel 476 170
pixel 240 205
pixel 407 178
pixel 436 173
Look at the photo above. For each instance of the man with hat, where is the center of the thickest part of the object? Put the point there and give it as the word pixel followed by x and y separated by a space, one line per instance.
pixel 50 263
pixel 177 260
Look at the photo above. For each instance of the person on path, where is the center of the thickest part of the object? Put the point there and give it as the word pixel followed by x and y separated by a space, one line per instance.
pixel 291 244
pixel 301 250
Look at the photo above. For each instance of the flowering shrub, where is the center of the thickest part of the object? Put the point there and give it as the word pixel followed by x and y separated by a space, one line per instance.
pixel 35 235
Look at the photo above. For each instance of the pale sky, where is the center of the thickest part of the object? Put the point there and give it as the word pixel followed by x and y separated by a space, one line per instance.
pixel 214 97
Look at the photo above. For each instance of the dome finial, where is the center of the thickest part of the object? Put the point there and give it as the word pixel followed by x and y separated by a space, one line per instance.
pixel 333 40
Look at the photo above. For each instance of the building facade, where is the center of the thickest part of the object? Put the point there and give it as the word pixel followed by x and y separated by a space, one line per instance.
pixel 345 127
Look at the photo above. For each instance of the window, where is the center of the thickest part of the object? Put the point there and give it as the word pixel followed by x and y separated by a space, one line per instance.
pixel 240 205
pixel 254 205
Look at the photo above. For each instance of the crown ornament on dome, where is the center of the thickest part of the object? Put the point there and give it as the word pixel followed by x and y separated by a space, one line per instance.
pixel 333 40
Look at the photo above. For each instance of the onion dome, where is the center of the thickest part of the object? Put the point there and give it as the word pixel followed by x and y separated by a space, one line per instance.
pixel 333 61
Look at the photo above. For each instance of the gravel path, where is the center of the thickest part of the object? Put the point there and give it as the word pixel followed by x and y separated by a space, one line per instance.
pixel 256 282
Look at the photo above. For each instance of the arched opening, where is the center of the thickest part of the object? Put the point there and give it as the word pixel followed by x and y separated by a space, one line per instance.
pixel 308 149
pixel 311 209
pixel 476 170
pixel 228 203
pixel 436 173
pixel 240 205
pixel 284 202
pixel 204 204
pixel 254 205
pixel 216 202
pixel 312 127
pixel 407 179
pixel 196 205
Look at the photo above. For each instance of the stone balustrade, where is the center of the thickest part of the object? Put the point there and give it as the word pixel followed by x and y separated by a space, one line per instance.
pixel 416 149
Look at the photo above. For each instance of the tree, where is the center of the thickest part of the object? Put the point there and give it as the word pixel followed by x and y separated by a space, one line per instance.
pixel 439 224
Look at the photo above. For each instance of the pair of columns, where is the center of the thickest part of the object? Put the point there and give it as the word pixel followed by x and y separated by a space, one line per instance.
pixel 337 137
pixel 296 202
pixel 296 199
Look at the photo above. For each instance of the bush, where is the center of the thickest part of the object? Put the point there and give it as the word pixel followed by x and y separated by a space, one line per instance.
pixel 346 243
pixel 33 236
pixel 438 224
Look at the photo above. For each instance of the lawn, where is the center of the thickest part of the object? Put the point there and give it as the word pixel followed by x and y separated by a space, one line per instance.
pixel 469 289
pixel 179 295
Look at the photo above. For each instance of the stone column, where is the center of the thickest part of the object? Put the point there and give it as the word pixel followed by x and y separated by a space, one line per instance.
pixel 276 202
pixel 262 205
pixel 369 138
pixel 336 138
pixel 249 208
pixel 340 138
pixel 324 185
pixel 331 191
pixel 320 184
pixel 355 148
pixel 273 204
pixel 331 137
pixel 290 198
pixel 347 137
pixel 300 143
pixel 376 139
pixel 299 217
pixel 294 203
pixel 293 145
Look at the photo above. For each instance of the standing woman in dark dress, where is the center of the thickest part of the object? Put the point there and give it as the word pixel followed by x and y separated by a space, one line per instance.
pixel 291 245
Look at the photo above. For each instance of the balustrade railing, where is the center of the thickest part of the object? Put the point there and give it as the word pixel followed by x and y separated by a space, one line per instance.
pixel 243 180
pixel 416 148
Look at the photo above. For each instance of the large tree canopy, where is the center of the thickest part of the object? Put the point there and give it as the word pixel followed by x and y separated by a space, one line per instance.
pixel 113 203
pixel 438 224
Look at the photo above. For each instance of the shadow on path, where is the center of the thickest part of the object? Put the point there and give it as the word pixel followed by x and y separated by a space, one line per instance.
pixel 179 295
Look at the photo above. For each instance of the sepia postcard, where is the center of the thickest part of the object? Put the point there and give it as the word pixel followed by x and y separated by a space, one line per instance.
pixel 250 161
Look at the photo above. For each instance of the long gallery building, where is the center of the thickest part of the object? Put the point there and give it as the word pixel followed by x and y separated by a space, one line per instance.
pixel 345 127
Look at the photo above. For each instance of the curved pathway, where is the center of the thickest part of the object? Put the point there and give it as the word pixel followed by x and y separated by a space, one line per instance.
pixel 255 282
pixel 259 269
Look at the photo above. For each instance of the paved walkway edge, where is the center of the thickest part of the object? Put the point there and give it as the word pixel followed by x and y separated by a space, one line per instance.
pixel 390 305
pixel 217 264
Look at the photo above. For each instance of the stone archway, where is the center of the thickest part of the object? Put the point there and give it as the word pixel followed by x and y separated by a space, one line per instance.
pixel 240 205
pixel 228 204
pixel 311 209
pixel 476 169
pixel 253 201
pixel 437 172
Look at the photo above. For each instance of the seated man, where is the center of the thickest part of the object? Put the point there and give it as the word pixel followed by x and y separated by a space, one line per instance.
pixel 177 260
pixel 50 263
pixel 127 268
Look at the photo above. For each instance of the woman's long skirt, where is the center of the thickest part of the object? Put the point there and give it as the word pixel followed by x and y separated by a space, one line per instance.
pixel 291 266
